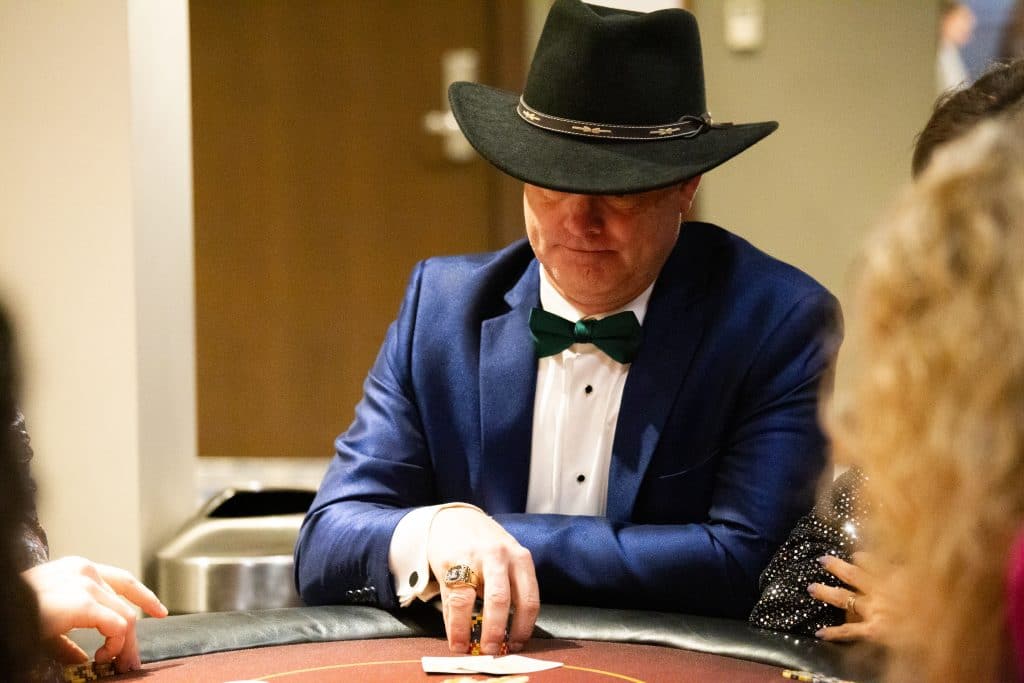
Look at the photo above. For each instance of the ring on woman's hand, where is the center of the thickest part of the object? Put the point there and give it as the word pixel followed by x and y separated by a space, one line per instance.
pixel 459 575
pixel 851 604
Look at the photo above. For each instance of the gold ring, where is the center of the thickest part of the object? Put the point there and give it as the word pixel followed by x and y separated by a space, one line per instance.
pixel 851 604
pixel 459 575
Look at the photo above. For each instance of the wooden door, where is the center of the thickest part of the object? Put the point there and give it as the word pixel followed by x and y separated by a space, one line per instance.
pixel 316 191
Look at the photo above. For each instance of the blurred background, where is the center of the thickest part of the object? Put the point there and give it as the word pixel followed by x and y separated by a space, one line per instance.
pixel 209 209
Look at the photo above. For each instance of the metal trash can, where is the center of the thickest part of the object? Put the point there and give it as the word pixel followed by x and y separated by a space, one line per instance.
pixel 235 554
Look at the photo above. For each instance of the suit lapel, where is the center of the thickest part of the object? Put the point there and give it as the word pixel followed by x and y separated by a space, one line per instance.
pixel 508 379
pixel 673 328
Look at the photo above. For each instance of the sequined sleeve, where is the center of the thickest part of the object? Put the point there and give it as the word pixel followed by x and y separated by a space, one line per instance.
pixel 832 528
pixel 34 546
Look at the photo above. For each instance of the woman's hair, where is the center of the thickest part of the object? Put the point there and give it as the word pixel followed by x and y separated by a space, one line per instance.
pixel 935 415
pixel 19 618
pixel 1000 89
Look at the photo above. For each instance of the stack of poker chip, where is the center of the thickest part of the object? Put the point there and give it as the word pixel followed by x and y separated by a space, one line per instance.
pixel 474 636
pixel 88 671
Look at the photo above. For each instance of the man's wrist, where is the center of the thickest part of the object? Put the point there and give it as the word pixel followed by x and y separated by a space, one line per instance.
pixel 407 555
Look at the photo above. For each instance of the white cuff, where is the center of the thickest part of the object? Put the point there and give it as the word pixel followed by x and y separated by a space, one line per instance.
pixel 407 555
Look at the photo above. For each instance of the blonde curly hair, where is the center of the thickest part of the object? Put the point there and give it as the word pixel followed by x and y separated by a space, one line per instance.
pixel 935 415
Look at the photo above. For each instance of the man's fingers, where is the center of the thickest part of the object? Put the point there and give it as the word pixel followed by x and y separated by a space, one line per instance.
pixel 497 602
pixel 126 585
pixel 527 606
pixel 459 605
pixel 526 598
pixel 505 573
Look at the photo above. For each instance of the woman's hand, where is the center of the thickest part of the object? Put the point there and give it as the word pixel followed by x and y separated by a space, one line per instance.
pixel 867 614
pixel 73 592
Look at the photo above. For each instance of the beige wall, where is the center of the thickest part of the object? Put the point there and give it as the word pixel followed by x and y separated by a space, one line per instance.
pixel 95 264
pixel 851 84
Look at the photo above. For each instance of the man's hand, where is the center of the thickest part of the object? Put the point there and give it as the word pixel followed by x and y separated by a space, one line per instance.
pixel 504 571
pixel 75 593
pixel 867 616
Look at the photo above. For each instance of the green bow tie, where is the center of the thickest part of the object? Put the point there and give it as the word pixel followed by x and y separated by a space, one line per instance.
pixel 617 335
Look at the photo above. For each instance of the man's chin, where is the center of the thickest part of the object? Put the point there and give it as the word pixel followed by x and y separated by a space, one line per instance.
pixel 591 296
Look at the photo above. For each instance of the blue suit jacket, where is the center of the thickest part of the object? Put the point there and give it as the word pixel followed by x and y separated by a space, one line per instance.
pixel 717 448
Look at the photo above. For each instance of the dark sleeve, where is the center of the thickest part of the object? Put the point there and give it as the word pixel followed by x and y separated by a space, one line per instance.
pixel 832 528
pixel 35 549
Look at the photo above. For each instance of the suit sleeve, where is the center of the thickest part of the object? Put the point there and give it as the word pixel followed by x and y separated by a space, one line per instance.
pixel 771 459
pixel 380 472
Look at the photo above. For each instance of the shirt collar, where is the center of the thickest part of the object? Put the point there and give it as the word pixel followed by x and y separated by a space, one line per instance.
pixel 553 302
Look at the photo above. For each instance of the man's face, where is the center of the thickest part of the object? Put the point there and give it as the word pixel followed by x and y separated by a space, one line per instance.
pixel 601 251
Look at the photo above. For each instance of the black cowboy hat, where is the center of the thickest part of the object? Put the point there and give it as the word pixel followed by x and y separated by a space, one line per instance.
pixel 613 104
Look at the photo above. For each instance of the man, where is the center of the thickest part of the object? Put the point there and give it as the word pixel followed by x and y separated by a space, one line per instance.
pixel 505 453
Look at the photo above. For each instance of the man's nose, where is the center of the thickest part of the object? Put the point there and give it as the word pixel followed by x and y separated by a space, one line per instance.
pixel 582 214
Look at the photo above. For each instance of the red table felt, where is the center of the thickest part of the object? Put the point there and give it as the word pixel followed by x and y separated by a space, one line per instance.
pixel 398 659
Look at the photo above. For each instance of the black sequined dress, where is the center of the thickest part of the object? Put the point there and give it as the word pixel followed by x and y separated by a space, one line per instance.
pixel 832 528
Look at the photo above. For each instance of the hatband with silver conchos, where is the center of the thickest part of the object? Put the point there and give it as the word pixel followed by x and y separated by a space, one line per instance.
pixel 686 127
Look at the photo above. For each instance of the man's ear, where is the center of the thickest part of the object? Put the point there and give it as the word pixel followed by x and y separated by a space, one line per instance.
pixel 686 193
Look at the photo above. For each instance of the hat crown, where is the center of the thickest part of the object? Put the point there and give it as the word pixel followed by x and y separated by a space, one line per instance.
pixel 611 66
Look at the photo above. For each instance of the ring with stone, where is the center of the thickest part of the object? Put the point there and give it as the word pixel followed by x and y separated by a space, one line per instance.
pixel 459 575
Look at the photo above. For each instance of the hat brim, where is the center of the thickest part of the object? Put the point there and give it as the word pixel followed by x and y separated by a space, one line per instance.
pixel 571 163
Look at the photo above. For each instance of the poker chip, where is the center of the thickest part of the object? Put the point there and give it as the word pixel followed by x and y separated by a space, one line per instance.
pixel 476 627
pixel 88 671
pixel 474 634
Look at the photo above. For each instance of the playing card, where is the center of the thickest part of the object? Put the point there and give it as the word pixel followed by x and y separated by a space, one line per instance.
pixel 486 664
